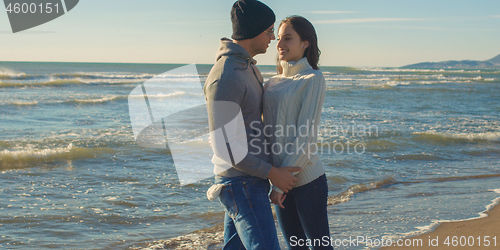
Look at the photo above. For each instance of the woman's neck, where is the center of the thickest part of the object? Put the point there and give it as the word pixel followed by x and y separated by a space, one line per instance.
pixel 291 68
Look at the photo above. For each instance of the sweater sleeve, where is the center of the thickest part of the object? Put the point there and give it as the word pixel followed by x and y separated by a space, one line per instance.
pixel 231 145
pixel 305 144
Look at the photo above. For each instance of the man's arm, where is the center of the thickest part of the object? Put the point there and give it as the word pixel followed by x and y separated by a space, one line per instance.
pixel 228 132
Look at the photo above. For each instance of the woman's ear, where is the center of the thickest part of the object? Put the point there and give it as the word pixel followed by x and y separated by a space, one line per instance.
pixel 305 44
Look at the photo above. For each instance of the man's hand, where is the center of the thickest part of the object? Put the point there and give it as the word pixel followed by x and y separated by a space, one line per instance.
pixel 277 198
pixel 283 178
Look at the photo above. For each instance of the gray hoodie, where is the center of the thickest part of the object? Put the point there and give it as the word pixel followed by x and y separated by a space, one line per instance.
pixel 235 78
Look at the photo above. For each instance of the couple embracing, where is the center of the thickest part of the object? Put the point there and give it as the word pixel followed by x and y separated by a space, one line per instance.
pixel 278 164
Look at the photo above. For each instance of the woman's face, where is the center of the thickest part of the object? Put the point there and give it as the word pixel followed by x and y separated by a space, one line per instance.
pixel 290 47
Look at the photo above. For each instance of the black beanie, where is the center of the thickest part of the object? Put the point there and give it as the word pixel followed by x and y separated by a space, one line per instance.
pixel 250 18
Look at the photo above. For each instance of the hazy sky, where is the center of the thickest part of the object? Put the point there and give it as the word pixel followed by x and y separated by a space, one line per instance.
pixel 350 32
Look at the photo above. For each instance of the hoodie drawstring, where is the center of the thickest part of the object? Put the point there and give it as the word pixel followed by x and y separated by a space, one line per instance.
pixel 248 64
pixel 253 70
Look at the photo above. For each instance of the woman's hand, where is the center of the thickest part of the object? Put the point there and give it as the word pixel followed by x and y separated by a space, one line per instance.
pixel 277 198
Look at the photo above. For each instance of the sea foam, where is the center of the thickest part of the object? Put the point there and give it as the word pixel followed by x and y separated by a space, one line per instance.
pixel 440 136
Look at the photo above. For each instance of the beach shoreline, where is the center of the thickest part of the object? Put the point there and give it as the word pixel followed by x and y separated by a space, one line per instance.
pixel 476 233
pixel 463 234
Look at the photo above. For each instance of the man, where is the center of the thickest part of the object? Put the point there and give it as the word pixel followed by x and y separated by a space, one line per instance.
pixel 233 92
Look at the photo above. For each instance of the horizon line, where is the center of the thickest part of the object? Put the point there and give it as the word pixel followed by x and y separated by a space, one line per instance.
pixel 270 65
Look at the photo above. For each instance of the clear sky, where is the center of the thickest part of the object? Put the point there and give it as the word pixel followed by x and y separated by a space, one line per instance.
pixel 375 33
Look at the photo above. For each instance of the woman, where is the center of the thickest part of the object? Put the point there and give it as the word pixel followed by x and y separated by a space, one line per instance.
pixel 293 101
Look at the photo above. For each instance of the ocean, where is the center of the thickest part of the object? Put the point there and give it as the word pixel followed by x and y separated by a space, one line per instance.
pixel 404 149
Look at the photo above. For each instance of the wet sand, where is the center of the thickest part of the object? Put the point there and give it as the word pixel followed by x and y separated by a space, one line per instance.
pixel 470 234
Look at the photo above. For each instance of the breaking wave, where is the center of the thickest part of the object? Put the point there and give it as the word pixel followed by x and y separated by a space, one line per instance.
pixel 457 137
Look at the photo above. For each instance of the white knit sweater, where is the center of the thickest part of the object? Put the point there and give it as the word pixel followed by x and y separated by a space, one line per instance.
pixel 292 110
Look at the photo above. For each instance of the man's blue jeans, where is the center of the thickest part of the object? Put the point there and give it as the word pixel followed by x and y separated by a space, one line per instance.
pixel 305 216
pixel 249 222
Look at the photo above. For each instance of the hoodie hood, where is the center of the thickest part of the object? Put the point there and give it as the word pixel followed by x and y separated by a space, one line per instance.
pixel 235 51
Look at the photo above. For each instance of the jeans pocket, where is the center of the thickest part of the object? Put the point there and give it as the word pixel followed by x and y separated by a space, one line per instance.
pixel 256 192
pixel 227 200
pixel 247 193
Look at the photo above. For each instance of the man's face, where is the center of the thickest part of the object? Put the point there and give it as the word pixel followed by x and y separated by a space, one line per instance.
pixel 262 41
